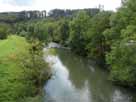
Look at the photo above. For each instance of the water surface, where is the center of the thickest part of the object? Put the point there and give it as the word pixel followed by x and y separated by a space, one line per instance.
pixel 75 79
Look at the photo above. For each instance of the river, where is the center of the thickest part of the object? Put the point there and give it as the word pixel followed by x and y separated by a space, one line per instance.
pixel 76 79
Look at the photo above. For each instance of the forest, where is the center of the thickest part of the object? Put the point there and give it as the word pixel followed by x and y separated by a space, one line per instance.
pixel 106 37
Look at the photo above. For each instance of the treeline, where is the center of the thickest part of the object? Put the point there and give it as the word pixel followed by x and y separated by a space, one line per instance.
pixel 81 32
pixel 59 13
pixel 13 17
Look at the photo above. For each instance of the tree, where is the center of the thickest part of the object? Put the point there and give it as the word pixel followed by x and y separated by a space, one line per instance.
pixel 78 29
pixel 122 62
pixel 122 33
pixel 96 45
pixel 63 31
pixel 35 68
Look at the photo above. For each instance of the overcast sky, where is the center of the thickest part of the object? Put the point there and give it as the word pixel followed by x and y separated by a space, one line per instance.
pixel 19 5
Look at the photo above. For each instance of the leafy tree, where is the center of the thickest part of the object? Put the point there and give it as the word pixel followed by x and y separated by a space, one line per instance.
pixel 122 62
pixel 35 68
pixel 78 29
pixel 62 31
pixel 96 45
pixel 122 40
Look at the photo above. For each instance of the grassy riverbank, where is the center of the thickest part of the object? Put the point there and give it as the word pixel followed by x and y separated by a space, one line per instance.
pixel 14 87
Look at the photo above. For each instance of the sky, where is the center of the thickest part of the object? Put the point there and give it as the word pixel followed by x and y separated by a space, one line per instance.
pixel 20 5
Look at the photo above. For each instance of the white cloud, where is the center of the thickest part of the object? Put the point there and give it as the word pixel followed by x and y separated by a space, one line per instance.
pixel 62 4
pixel 18 2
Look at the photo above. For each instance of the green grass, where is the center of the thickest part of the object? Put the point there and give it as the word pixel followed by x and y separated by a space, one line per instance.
pixel 12 87
pixel 12 45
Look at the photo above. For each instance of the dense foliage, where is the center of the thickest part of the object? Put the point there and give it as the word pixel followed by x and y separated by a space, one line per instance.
pixel 105 36
pixel 122 56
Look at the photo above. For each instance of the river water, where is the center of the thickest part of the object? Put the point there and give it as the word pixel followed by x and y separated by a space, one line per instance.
pixel 75 79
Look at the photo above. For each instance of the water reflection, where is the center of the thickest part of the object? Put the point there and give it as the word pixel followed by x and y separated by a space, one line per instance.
pixel 118 96
pixel 76 80
pixel 60 88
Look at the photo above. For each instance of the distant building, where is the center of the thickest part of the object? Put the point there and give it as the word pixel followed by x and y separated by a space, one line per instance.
pixel 101 7
pixel 11 17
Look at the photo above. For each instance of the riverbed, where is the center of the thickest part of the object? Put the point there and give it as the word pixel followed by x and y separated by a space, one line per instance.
pixel 77 79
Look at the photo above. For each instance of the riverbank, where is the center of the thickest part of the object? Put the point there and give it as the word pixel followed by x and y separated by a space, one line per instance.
pixel 16 81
